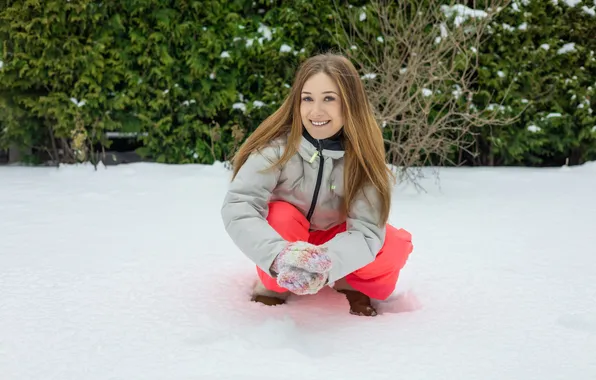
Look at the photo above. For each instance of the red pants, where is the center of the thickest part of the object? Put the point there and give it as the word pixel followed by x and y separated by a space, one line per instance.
pixel 377 279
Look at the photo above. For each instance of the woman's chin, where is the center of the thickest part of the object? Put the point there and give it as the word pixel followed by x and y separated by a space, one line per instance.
pixel 321 133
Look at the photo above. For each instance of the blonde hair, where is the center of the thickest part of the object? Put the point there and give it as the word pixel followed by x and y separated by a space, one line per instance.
pixel 364 161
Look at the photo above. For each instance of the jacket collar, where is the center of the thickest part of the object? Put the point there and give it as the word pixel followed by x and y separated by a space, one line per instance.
pixel 334 142
pixel 332 147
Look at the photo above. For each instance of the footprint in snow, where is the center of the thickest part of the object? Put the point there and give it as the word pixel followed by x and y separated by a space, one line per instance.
pixel 400 303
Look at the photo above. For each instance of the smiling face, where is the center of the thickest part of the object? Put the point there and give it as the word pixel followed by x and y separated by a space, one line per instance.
pixel 321 106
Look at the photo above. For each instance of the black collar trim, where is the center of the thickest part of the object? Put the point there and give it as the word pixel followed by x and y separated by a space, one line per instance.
pixel 334 142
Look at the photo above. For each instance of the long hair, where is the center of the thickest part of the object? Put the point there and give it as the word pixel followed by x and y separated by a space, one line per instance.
pixel 364 160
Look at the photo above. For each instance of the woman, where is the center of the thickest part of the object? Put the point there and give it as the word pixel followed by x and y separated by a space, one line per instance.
pixel 311 193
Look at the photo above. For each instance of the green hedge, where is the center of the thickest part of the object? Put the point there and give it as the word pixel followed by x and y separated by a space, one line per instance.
pixel 195 77
pixel 539 61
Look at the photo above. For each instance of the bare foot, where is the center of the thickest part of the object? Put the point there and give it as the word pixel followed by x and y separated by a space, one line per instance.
pixel 359 303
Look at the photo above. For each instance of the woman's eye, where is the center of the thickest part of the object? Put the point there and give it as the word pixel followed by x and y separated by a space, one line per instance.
pixel 327 99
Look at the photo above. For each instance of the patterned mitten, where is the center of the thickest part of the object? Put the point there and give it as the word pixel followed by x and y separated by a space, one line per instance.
pixel 302 255
pixel 301 282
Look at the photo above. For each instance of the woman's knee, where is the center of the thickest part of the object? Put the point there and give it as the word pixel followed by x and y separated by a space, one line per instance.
pixel 398 244
pixel 392 257
pixel 282 212
pixel 288 221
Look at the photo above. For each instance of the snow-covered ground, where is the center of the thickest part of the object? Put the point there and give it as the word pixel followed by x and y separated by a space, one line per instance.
pixel 127 273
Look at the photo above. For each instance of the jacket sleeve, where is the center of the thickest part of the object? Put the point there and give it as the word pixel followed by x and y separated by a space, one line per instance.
pixel 363 239
pixel 246 206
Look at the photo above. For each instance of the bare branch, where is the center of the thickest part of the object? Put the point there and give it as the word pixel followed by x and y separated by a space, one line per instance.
pixel 419 73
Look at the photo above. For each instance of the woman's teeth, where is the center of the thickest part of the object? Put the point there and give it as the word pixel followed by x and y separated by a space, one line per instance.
pixel 319 123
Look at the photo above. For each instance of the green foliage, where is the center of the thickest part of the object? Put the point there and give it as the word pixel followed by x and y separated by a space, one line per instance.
pixel 192 77
pixel 539 62
pixel 58 68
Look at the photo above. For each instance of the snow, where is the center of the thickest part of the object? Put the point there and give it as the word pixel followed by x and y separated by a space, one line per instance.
pixel 590 11
pixel 572 3
pixel 457 92
pixel 265 32
pixel 78 103
pixel 127 273
pixel 369 76
pixel 567 48
pixel 462 13
pixel 508 27
pixel 443 29
pixel 239 106
pixel 493 106
pixel 285 48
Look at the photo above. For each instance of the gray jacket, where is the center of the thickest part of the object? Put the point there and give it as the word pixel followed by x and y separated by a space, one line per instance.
pixel 316 168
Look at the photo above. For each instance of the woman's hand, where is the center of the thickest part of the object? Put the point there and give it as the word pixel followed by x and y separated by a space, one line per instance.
pixel 302 255
pixel 302 268
pixel 301 282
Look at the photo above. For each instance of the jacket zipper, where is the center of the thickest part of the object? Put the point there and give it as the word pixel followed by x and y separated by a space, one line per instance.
pixel 319 179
